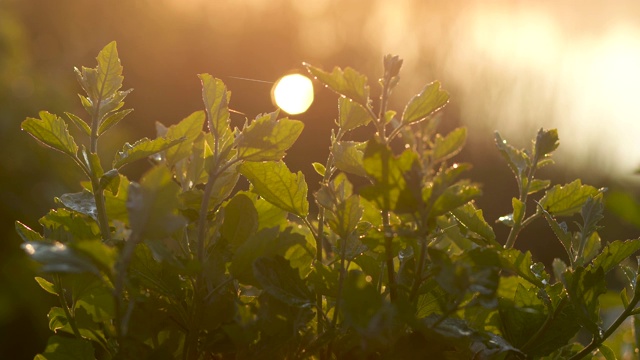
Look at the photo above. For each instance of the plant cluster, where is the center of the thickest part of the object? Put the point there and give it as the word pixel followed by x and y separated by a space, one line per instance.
pixel 184 264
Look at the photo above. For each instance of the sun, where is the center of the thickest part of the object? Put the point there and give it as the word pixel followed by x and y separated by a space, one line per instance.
pixel 293 93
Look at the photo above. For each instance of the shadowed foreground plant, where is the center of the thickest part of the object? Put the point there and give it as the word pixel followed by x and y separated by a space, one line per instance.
pixel 182 264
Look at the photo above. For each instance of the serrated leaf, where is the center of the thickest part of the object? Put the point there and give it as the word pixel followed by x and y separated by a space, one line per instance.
pixel 58 258
pixel 473 220
pixel 344 219
pixel 348 157
pixel 613 254
pixel 351 115
pixel 68 226
pixel 454 196
pixel 349 82
pixel 188 128
pixel 560 230
pixel 78 122
pixel 95 298
pixel 266 242
pixel 142 149
pixel 26 233
pixel 568 199
pixel 546 142
pixel 267 139
pixel 82 202
pixel 584 287
pixel 427 102
pixel 112 119
pixel 517 160
pixel 216 102
pixel 388 175
pixel 52 131
pixel 522 264
pixel 448 146
pixel 46 285
pixel 538 185
pixel 240 220
pixel 153 204
pixel 276 184
pixel 110 77
pixel 276 276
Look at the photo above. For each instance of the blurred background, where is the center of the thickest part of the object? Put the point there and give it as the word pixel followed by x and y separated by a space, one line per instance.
pixel 511 66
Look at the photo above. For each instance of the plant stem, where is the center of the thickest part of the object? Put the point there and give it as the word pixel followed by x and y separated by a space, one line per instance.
pixel 524 192
pixel 121 275
pixel 388 246
pixel 598 340
pixel 417 280
pixel 98 192
pixel 63 303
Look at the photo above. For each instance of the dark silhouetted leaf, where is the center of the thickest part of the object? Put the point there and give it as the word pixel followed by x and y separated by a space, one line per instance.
pixel 278 278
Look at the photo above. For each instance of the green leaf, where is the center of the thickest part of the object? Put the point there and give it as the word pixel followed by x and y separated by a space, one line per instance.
pixel 427 102
pixel 560 230
pixel 189 129
pixel 517 160
pixel 103 256
pixel 344 219
pixel 319 168
pixel 46 285
pixel 240 220
pixel 472 219
pixel 538 185
pixel 26 233
pixel 58 258
pixel 584 287
pixel 141 149
pixel 82 202
pixel 453 197
pixel 112 119
pixel 448 146
pixel 518 210
pixel 387 173
pixel 110 181
pixel 65 348
pixel 521 264
pixel 105 80
pixel 51 131
pixel 349 82
pixel 351 115
pixel 348 157
pixel 361 302
pixel 267 139
pixel 546 142
pixel 92 295
pixel 567 200
pixel 264 243
pixel 216 102
pixel 591 213
pixel 81 124
pixel 276 184
pixel 116 202
pixel 69 226
pixel 152 205
pixel 614 253
pixel 276 276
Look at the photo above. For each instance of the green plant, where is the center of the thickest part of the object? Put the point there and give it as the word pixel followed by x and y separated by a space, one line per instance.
pixel 182 264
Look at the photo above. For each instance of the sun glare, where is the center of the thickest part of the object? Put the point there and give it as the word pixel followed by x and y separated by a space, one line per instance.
pixel 293 93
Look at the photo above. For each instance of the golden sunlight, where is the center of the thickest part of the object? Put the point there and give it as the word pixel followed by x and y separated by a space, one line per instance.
pixel 293 93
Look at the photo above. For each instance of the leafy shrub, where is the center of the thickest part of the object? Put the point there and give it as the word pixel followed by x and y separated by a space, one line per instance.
pixel 183 264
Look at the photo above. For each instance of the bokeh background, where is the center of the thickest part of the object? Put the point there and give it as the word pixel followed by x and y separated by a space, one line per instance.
pixel 512 66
